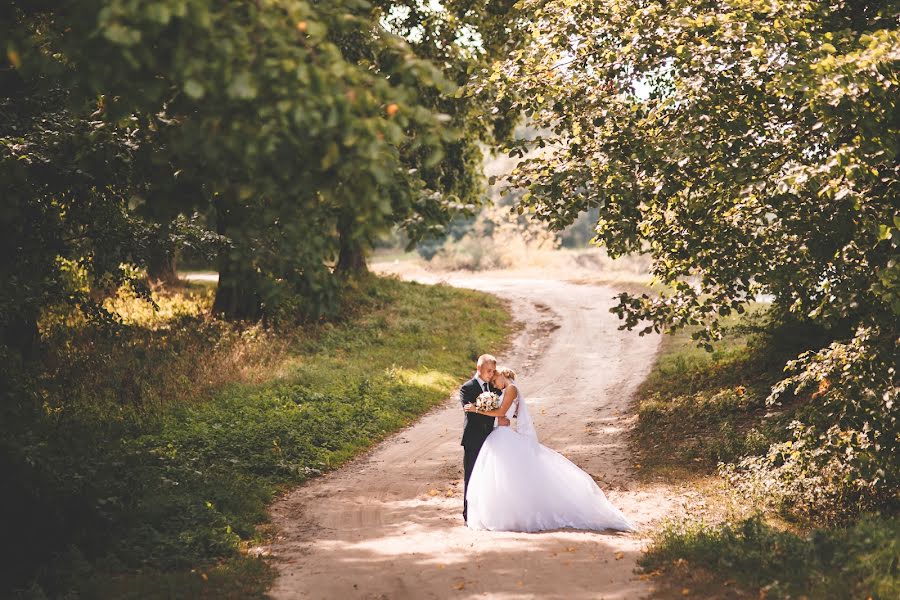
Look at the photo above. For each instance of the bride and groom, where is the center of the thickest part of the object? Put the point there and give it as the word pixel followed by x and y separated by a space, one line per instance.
pixel 514 483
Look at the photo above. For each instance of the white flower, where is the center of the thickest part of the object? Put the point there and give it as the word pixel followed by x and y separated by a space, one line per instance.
pixel 487 401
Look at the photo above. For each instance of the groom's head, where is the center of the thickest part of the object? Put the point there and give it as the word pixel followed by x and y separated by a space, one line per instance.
pixel 486 366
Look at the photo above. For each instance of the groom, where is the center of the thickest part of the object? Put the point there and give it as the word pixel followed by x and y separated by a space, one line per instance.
pixel 477 427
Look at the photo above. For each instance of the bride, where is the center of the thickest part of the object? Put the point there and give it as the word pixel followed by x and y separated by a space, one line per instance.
pixel 518 484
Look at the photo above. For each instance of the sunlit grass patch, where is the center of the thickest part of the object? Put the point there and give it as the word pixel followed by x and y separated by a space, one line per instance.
pixel 430 379
pixel 185 301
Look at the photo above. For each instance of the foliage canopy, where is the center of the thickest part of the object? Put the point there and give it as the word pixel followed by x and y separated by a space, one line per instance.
pixel 302 128
pixel 750 147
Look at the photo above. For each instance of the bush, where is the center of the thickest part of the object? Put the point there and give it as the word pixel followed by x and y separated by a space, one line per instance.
pixel 857 562
pixel 146 452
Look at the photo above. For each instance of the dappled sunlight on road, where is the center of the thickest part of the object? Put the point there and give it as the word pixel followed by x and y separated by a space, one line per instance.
pixel 389 524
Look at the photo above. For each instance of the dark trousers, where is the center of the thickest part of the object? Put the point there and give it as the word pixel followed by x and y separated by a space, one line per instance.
pixel 471 451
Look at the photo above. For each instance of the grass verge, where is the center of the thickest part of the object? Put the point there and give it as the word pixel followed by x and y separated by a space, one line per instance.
pixel 698 410
pixel 148 466
pixel 752 558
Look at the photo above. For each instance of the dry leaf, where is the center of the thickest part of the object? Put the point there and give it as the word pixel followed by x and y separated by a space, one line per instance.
pixel 686 591
pixel 459 586
pixel 619 555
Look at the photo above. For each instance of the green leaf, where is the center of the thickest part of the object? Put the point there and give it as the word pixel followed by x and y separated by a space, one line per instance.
pixel 331 156
pixel 122 35
pixel 242 87
pixel 194 89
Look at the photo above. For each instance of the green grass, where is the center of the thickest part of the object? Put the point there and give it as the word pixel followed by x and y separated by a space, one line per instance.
pixel 698 409
pixel 860 561
pixel 158 494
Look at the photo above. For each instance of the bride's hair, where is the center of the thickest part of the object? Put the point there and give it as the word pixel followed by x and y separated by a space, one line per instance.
pixel 507 372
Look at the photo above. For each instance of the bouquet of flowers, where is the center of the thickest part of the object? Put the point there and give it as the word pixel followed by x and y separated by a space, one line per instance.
pixel 487 401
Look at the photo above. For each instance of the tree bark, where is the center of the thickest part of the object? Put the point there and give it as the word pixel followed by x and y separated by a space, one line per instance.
pixel 352 256
pixel 161 261
pixel 21 334
pixel 162 266
pixel 238 294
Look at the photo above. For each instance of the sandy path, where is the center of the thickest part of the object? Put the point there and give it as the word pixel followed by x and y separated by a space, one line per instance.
pixel 388 526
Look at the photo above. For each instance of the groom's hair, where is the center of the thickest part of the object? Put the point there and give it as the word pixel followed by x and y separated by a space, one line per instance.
pixel 486 358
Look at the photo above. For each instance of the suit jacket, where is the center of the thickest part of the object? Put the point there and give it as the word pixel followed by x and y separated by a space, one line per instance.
pixel 477 427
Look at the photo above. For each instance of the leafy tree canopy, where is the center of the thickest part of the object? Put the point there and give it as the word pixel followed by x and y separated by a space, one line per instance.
pixel 301 124
pixel 750 147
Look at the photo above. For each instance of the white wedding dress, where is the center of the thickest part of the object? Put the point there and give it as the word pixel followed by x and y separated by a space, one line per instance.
pixel 518 484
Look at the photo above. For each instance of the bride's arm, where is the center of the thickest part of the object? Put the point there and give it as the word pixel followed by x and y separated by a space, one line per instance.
pixel 508 398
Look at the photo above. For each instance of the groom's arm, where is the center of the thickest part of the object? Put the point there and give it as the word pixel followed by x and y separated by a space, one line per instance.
pixel 468 393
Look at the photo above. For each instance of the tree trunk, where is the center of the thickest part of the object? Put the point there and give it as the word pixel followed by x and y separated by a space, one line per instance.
pixel 161 262
pixel 352 257
pixel 162 266
pixel 22 335
pixel 237 294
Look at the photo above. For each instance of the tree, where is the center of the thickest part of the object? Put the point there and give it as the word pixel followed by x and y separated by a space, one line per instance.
pixel 750 148
pixel 460 38
pixel 66 182
pixel 265 117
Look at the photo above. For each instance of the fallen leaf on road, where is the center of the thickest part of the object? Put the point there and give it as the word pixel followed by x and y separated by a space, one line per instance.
pixel 459 586
pixel 685 591
pixel 619 555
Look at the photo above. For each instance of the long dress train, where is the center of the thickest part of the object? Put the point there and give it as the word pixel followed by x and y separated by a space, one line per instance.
pixel 519 484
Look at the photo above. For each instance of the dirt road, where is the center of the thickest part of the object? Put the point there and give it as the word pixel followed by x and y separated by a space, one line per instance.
pixel 389 525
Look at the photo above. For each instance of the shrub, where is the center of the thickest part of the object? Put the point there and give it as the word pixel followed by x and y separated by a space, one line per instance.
pixel 857 562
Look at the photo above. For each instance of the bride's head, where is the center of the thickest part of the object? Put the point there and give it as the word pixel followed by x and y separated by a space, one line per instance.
pixel 503 376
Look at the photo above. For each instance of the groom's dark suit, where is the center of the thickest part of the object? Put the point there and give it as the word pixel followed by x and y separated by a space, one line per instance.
pixel 475 431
